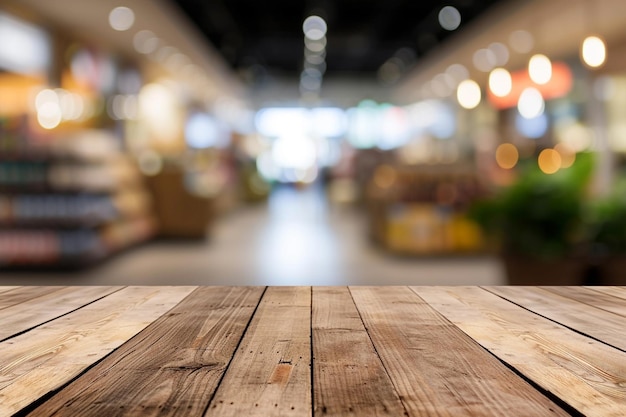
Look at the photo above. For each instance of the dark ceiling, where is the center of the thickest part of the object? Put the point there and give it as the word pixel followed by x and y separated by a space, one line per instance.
pixel 264 37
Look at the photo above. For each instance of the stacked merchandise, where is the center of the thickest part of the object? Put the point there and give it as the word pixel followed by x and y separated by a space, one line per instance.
pixel 66 202
pixel 423 211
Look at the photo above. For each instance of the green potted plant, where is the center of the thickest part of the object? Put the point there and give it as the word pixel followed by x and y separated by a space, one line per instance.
pixel 537 223
pixel 606 235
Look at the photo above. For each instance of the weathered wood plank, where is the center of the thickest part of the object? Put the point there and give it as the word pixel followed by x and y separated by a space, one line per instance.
pixel 568 312
pixel 47 357
pixel 593 298
pixel 586 374
pixel 172 367
pixel 6 288
pixel 436 368
pixel 619 292
pixel 270 373
pixel 30 313
pixel 22 294
pixel 348 376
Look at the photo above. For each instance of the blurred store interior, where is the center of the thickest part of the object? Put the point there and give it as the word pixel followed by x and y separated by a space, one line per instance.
pixel 312 143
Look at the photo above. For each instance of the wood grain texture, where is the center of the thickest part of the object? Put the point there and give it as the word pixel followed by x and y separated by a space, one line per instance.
pixel 349 378
pixel 588 296
pixel 22 294
pixel 172 367
pixel 47 357
pixel 6 288
pixel 619 292
pixel 270 373
pixel 585 373
pixel 437 369
pixel 568 312
pixel 30 313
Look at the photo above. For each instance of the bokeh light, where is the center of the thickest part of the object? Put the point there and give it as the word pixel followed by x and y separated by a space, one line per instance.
pixel 567 154
pixel 540 69
pixel 49 115
pixel 531 103
pixel 593 51
pixel 549 161
pixel 385 176
pixel 202 131
pixel 295 151
pixel 507 155
pixel 449 18
pixel 145 42
pixel 314 28
pixel 484 60
pixel 500 52
pixel 121 18
pixel 150 163
pixel 458 72
pixel 521 41
pixel 500 82
pixel 533 128
pixel 468 94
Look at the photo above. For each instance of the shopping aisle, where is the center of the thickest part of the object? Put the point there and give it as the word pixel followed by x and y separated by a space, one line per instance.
pixel 297 238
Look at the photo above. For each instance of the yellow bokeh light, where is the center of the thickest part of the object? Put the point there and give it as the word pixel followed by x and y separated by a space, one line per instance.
pixel 540 69
pixel 549 161
pixel 567 154
pixel 468 94
pixel 500 82
pixel 593 51
pixel 507 155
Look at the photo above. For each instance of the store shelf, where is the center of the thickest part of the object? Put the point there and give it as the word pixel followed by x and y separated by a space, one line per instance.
pixel 60 211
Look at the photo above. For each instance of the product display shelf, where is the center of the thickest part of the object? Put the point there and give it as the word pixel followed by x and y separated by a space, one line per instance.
pixel 69 202
pixel 423 211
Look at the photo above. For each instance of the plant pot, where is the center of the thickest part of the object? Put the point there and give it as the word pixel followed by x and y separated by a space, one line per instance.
pixel 523 270
pixel 613 271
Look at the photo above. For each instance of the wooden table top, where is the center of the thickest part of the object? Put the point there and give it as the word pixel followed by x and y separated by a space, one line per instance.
pixel 321 351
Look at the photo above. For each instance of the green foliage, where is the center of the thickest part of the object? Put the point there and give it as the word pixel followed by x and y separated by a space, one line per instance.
pixel 540 215
pixel 606 222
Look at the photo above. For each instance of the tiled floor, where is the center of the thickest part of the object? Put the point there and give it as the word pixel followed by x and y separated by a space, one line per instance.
pixel 295 239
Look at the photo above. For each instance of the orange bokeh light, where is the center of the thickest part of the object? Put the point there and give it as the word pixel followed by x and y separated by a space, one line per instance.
pixel 558 86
